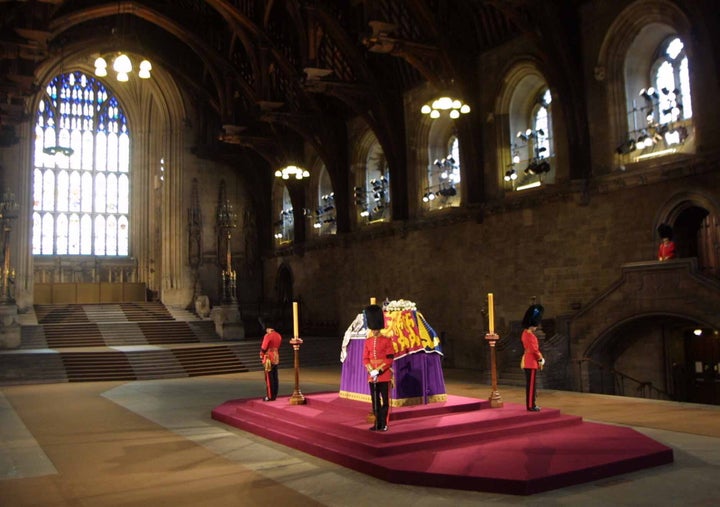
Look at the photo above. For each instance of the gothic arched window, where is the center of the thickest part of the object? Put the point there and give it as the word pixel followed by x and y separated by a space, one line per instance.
pixel 532 134
pixel 443 173
pixel 284 223
pixel 325 215
pixel 659 101
pixel 372 196
pixel 81 160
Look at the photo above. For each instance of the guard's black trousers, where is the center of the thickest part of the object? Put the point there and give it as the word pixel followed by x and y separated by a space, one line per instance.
pixel 530 387
pixel 380 402
pixel 271 382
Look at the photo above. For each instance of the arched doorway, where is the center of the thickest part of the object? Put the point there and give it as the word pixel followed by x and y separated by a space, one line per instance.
pixel 656 356
pixel 696 229
pixel 642 330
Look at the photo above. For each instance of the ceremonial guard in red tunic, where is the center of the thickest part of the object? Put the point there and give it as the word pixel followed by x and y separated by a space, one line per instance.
pixel 270 357
pixel 532 358
pixel 666 250
pixel 378 357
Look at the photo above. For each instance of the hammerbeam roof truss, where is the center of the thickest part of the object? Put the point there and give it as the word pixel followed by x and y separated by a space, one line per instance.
pixel 247 58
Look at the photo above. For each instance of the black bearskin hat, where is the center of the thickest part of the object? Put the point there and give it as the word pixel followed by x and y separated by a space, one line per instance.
pixel 533 316
pixel 665 231
pixel 374 317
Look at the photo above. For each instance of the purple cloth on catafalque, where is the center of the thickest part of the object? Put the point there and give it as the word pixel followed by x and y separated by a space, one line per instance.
pixel 418 375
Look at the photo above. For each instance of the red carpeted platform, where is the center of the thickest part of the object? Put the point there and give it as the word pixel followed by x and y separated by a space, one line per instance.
pixel 461 443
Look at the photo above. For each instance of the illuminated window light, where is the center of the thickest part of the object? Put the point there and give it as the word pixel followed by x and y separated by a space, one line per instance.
pixel 534 184
pixel 655 154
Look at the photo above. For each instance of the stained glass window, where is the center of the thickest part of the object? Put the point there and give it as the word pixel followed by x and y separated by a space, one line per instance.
pixel 672 80
pixel 81 186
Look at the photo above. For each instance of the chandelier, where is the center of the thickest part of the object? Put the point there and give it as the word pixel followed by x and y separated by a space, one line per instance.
pixel 453 107
pixel 62 150
pixel 292 171
pixel 122 65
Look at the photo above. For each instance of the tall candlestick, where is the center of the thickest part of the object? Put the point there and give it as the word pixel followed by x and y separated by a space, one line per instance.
pixel 295 319
pixel 373 301
pixel 491 314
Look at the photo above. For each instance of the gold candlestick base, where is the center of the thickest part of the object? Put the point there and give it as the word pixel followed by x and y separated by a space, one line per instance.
pixel 496 400
pixel 297 397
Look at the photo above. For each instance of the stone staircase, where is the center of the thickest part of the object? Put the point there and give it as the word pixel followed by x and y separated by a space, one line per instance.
pixel 136 341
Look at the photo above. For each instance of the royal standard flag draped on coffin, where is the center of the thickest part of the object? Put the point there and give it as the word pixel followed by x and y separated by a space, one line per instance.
pixel 411 333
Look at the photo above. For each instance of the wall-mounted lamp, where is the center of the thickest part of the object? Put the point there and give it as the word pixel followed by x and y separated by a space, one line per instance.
pixel 445 176
pixel 374 200
pixel 324 215
pixel 661 111
pixel 538 165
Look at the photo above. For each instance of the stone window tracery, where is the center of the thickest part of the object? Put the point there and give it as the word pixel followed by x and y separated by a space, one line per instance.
pixel 81 170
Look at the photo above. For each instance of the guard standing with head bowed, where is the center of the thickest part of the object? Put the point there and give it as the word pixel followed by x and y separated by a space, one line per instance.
pixel 270 357
pixel 378 356
pixel 532 358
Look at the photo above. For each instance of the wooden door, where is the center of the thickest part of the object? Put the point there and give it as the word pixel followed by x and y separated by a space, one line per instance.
pixel 703 367
pixel 708 240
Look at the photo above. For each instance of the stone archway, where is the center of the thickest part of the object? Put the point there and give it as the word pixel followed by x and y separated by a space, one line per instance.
pixel 673 292
pixel 695 219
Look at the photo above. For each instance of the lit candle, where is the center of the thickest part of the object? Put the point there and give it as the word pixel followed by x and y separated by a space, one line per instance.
pixel 491 314
pixel 295 318
pixel 373 301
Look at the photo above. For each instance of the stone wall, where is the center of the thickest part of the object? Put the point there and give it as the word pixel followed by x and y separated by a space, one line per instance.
pixel 561 252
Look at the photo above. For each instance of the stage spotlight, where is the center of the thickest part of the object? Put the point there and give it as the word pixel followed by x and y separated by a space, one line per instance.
pixel 543 167
pixel 648 94
pixel 626 147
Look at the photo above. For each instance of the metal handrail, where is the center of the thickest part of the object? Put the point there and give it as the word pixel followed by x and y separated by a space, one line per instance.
pixel 644 389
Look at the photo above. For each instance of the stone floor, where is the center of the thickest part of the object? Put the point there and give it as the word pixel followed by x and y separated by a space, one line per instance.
pixel 152 443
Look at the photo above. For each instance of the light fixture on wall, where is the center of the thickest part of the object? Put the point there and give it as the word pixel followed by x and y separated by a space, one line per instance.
pixel 283 226
pixel 226 220
pixel 661 111
pixel 538 164
pixel 374 199
pixel 446 172
pixel 325 212
pixel 453 107
pixel 8 214
pixel 292 171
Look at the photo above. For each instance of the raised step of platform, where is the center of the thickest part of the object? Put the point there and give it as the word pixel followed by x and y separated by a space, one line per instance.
pixel 461 443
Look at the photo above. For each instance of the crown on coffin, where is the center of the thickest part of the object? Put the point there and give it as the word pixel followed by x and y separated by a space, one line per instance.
pixel 399 305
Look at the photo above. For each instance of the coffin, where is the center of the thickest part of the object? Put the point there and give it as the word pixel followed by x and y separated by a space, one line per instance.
pixel 418 359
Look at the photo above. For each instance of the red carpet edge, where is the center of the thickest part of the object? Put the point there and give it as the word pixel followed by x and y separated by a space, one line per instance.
pixel 461 443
